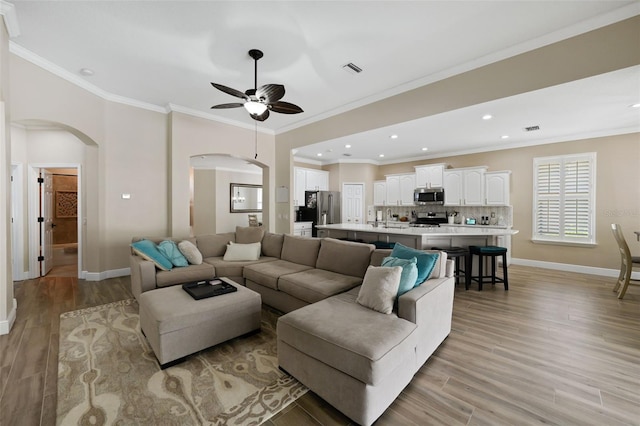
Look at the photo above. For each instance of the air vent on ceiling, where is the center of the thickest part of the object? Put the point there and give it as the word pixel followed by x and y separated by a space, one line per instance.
pixel 346 154
pixel 531 128
pixel 352 68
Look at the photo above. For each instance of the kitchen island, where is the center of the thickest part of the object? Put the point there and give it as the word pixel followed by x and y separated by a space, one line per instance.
pixel 421 238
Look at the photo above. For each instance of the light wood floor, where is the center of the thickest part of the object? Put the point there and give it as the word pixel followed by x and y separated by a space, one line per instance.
pixel 557 348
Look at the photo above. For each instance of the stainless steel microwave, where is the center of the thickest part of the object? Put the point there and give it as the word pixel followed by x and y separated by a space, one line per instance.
pixel 426 196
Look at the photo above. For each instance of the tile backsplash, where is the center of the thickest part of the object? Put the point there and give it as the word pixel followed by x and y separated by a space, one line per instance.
pixel 503 214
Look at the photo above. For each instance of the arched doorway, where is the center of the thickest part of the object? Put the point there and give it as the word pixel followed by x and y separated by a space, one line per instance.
pixel 211 177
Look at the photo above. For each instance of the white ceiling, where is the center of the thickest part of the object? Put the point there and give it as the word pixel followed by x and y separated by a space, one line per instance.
pixel 164 54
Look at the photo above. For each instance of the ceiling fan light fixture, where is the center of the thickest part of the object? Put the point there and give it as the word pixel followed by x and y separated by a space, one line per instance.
pixel 255 107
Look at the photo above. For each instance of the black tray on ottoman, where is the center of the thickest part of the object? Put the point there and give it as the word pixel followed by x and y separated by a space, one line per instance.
pixel 203 289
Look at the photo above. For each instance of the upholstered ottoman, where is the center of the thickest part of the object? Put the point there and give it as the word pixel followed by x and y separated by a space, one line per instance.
pixel 176 325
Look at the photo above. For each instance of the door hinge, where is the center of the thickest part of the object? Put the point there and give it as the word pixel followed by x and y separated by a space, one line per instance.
pixel 40 219
pixel 40 258
pixel 40 180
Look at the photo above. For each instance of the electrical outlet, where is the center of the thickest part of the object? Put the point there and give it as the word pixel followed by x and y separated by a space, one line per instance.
pixel 493 215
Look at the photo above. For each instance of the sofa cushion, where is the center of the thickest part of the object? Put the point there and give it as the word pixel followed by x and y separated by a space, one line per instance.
pixel 185 274
pixel 190 252
pixel 242 252
pixel 380 288
pixel 214 245
pixel 314 285
pixel 272 244
pixel 358 341
pixel 148 250
pixel 300 250
pixel 249 234
pixel 409 272
pixel 378 256
pixel 235 268
pixel 426 261
pixel 344 257
pixel 169 249
pixel 267 273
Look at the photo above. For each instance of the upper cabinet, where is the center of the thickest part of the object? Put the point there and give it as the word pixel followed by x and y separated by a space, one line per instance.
pixel 430 176
pixel 400 189
pixel 497 188
pixel 308 180
pixel 380 193
pixel 464 187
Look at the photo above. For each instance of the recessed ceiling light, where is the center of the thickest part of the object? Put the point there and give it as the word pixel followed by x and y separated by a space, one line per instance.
pixel 394 136
pixel 505 136
pixel 381 155
pixel 425 149
pixel 487 117
pixel 635 106
pixel 319 154
pixel 87 72
pixel 347 146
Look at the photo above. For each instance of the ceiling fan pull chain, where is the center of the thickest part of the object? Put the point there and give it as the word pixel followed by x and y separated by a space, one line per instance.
pixel 256 140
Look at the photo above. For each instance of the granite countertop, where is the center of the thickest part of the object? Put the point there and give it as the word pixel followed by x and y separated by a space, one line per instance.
pixel 442 231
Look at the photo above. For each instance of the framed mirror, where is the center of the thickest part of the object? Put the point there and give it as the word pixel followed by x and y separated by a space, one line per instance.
pixel 246 198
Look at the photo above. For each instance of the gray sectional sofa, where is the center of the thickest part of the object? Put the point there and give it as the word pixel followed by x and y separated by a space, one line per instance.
pixel 356 358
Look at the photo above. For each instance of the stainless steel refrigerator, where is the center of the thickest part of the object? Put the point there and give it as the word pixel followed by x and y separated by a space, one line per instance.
pixel 321 208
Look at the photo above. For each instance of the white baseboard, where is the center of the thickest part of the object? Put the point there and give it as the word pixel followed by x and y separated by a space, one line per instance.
pixel 5 326
pixel 99 276
pixel 604 272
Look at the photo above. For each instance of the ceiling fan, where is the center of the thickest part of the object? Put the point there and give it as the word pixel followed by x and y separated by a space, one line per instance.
pixel 259 100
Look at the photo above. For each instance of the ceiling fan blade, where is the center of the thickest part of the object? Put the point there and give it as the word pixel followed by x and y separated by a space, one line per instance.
pixel 226 106
pixel 270 92
pixel 285 108
pixel 230 91
pixel 260 117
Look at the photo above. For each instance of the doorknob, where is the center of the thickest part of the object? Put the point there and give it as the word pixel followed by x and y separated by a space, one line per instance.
pixel 53 225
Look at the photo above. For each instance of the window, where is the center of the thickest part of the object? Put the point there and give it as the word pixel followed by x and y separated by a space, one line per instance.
pixel 564 199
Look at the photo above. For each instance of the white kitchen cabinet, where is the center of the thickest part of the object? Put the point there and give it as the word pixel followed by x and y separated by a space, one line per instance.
pixel 299 186
pixel 407 188
pixel 430 176
pixel 302 229
pixel 400 189
pixel 379 193
pixel 317 180
pixel 496 188
pixel 464 187
pixel 308 180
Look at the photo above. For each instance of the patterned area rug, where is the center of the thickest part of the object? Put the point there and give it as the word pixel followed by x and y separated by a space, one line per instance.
pixel 108 374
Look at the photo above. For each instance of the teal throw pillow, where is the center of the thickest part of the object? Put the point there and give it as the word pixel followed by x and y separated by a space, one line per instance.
pixel 409 272
pixel 170 250
pixel 148 250
pixel 426 261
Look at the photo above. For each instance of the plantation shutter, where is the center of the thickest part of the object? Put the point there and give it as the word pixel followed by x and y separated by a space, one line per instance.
pixel 564 198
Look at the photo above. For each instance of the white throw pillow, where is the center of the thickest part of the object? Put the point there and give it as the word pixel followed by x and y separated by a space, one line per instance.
pixel 242 251
pixel 190 251
pixel 380 288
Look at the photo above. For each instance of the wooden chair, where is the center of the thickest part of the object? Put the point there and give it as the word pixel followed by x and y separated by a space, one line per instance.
pixel 253 220
pixel 628 262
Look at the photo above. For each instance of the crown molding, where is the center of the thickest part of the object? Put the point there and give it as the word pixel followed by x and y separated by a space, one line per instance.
pixel 8 11
pixel 39 61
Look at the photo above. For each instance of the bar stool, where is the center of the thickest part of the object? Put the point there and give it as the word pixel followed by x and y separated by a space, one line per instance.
pixel 458 254
pixel 492 252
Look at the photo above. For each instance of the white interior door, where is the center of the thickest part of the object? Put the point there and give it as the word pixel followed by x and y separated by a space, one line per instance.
pixel 353 202
pixel 46 224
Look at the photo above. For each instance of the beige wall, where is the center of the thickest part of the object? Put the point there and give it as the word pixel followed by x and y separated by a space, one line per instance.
pixel 227 221
pixel 129 150
pixel 204 202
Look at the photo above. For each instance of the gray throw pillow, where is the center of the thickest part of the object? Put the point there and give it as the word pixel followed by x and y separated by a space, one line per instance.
pixel 380 288
pixel 190 252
